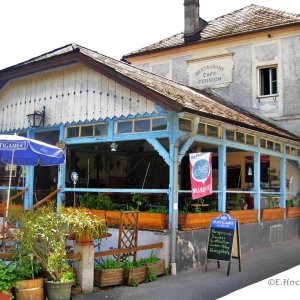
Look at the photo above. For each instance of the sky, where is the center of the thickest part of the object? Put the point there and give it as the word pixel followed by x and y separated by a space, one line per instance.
pixel 112 27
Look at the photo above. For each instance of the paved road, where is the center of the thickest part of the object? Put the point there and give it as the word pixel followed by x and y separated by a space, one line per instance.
pixel 195 284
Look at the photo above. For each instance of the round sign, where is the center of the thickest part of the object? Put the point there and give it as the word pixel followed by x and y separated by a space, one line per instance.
pixel 201 170
pixel 74 177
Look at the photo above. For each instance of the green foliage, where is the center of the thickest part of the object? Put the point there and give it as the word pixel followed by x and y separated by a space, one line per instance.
pixel 42 233
pixel 187 204
pixel 161 209
pixel 27 266
pixel 141 262
pixel 134 283
pixel 271 202
pixel 67 276
pixel 109 264
pixel 99 201
pixel 82 223
pixel 8 277
pixel 139 200
pixel 151 275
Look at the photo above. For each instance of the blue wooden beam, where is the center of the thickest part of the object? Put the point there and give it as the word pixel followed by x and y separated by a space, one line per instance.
pixel 160 149
pixel 61 174
pixel 257 190
pixel 29 180
pixel 222 174
pixel 283 180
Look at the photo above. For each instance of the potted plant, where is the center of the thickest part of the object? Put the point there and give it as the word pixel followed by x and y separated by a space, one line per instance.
pixel 109 273
pixel 8 278
pixel 42 233
pixel 30 284
pixel 83 225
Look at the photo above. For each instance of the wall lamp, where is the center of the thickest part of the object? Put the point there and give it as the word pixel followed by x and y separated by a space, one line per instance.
pixel 37 119
pixel 113 146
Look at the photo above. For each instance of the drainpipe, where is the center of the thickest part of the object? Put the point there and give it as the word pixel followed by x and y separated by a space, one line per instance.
pixel 174 228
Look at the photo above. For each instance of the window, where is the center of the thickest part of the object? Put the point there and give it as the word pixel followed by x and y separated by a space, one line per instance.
pixel 141 125
pixel 268 81
pixel 209 130
pixel 90 130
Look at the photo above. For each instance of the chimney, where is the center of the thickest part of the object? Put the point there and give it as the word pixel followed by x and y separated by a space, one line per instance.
pixel 192 22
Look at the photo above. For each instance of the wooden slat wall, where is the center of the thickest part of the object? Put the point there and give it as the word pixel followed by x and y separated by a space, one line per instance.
pixel 70 94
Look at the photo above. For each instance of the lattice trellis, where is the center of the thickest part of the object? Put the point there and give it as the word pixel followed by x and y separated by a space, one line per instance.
pixel 128 233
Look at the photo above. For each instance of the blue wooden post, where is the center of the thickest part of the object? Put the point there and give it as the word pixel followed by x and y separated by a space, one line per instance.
pixel 257 190
pixel 29 180
pixel 61 175
pixel 283 179
pixel 222 174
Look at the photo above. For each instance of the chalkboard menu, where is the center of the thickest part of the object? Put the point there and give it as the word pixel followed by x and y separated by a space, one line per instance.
pixel 221 238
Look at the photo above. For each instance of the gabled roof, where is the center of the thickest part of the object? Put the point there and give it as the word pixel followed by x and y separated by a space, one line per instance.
pixel 249 19
pixel 168 94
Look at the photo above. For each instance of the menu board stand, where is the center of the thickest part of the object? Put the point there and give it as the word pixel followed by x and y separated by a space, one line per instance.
pixel 224 241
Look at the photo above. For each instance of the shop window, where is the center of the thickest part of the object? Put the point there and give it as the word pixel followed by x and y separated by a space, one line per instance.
pixel 87 130
pixel 268 81
pixel 159 124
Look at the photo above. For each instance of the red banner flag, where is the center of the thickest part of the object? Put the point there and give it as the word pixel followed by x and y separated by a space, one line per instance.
pixel 201 174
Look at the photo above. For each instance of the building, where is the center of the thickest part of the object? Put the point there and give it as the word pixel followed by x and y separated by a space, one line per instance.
pixel 126 130
pixel 249 57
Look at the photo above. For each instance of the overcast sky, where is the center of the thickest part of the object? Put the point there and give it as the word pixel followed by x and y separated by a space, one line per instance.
pixel 112 27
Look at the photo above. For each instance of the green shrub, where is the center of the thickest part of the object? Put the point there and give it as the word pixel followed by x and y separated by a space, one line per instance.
pixel 109 264
pixel 96 201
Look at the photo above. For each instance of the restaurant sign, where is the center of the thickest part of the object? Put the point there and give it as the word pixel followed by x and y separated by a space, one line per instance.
pixel 216 71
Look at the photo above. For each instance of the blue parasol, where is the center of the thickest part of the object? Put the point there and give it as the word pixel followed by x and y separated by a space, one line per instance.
pixel 21 151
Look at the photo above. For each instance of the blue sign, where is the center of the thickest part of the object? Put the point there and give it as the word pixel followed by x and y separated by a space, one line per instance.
pixel 223 221
pixel 74 177
pixel 201 169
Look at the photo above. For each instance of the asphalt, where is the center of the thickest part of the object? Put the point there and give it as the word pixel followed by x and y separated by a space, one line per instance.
pixel 213 284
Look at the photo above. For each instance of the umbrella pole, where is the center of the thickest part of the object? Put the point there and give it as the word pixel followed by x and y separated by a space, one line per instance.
pixel 8 195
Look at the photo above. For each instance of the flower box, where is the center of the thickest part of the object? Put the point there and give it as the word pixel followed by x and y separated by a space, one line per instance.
pixel 191 221
pixel 272 214
pixel 153 221
pixel 135 275
pixel 244 216
pixel 158 267
pixel 108 277
pixel 293 212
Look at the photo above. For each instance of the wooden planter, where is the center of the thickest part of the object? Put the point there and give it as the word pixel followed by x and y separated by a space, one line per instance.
pixel 153 221
pixel 30 289
pixel 147 221
pixel 108 277
pixel 244 216
pixel 191 221
pixel 158 267
pixel 135 275
pixel 271 214
pixel 293 212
